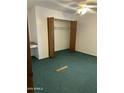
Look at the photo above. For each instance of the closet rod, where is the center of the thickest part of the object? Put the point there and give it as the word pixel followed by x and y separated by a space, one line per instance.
pixel 61 28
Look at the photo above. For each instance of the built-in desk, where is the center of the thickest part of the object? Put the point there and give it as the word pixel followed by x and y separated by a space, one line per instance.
pixel 34 49
pixel 33 45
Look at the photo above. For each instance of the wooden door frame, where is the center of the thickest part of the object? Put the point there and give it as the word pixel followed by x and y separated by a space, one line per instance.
pixel 50 25
pixel 29 66
pixel 51 45
pixel 73 30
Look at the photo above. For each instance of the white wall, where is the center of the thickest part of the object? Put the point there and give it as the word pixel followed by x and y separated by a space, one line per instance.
pixel 32 29
pixel 86 38
pixel 41 22
pixel 32 24
pixel 61 34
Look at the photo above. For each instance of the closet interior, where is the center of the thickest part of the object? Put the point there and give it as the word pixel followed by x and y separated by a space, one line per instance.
pixel 61 35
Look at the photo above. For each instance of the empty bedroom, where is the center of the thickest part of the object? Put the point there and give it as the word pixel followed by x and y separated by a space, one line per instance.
pixel 62 46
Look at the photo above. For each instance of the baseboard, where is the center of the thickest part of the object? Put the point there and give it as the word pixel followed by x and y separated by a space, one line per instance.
pixel 86 53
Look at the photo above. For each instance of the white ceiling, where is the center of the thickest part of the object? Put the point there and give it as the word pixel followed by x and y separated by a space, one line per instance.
pixel 69 6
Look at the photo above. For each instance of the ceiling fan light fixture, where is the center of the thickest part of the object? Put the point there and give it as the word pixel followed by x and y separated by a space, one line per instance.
pixel 83 11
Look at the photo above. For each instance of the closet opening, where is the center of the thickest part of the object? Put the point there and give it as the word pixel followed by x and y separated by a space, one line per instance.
pixel 61 35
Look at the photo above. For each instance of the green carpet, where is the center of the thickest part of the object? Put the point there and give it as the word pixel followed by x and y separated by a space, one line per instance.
pixel 79 77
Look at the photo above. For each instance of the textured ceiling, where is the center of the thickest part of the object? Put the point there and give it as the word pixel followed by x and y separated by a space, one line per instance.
pixel 69 6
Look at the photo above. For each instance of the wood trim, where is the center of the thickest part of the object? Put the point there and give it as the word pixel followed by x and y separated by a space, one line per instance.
pixel 29 66
pixel 50 24
pixel 73 29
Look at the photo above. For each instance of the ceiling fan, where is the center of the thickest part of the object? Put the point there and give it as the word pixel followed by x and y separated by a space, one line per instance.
pixel 80 6
pixel 86 6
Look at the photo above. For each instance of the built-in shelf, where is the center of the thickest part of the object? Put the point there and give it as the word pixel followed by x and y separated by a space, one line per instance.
pixel 33 45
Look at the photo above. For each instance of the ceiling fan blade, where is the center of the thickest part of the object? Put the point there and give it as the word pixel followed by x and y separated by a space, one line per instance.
pixel 80 1
pixel 92 10
pixel 91 6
